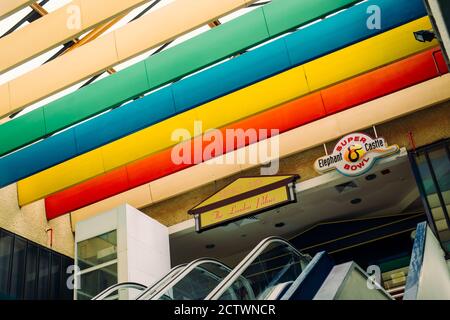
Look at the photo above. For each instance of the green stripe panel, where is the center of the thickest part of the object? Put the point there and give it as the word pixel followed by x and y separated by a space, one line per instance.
pixel 210 47
pixel 23 130
pixel 285 15
pixel 97 97
pixel 215 45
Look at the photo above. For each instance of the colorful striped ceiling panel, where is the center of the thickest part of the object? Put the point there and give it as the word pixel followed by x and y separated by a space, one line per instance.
pixel 372 85
pixel 346 63
pixel 298 48
pixel 330 128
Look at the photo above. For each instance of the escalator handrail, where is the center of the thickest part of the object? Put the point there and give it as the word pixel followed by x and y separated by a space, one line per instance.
pixel 115 287
pixel 157 283
pixel 218 291
pixel 191 266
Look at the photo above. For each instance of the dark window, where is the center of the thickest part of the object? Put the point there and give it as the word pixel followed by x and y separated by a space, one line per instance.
pixel 55 276
pixel 18 268
pixel 6 242
pixel 30 271
pixel 44 273
pixel 66 288
pixel 431 166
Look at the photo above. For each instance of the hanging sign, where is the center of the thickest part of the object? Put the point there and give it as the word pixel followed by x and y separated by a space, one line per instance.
pixel 355 154
pixel 242 198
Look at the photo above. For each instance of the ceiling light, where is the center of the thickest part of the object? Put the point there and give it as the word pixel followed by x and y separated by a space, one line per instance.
pixel 346 186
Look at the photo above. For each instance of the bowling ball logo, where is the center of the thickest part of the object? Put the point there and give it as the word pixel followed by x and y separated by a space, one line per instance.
pixel 354 153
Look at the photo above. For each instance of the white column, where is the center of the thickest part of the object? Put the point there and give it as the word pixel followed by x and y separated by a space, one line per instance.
pixel 143 250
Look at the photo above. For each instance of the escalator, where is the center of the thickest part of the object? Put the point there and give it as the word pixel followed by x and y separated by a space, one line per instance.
pixel 133 290
pixel 194 282
pixel 273 270
pixel 266 273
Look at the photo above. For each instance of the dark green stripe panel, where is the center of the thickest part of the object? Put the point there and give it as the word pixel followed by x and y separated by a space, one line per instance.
pixel 97 97
pixel 207 48
pixel 22 130
pixel 283 15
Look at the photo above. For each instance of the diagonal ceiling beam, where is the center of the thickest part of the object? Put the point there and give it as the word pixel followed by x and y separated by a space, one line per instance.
pixel 59 27
pixel 39 9
pixel 148 8
pixel 212 24
pixel 9 7
pixel 30 17
pixel 75 43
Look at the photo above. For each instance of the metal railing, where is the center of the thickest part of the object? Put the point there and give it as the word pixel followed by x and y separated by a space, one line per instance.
pixel 159 292
pixel 237 272
pixel 124 285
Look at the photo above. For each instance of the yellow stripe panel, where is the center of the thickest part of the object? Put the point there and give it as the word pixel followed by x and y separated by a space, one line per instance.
pixel 9 7
pixel 170 21
pixel 218 113
pixel 53 29
pixel 297 140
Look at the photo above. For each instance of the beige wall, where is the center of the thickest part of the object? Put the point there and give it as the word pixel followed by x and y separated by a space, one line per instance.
pixel 427 126
pixel 30 222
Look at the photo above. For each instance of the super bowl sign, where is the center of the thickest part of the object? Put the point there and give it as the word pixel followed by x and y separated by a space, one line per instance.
pixel 355 154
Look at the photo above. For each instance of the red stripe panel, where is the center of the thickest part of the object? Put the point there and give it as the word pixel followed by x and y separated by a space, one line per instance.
pixel 353 92
pixel 384 81
pixel 287 118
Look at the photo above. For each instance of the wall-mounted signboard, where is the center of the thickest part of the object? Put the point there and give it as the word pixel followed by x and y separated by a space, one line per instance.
pixel 355 154
pixel 244 197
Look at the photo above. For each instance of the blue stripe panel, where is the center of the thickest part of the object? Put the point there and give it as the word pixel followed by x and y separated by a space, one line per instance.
pixel 132 117
pixel 306 44
pixel 350 27
pixel 232 75
pixel 37 156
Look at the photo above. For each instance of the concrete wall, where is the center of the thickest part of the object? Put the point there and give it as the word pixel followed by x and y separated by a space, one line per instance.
pixel 30 222
pixel 143 251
